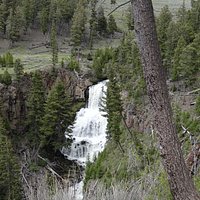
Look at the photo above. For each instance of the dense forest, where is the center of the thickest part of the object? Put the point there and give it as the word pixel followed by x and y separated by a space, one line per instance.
pixel 52 51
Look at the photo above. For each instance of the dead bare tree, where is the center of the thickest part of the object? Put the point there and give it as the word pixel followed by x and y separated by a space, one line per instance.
pixel 181 184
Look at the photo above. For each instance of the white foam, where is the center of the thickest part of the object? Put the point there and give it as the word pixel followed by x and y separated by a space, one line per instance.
pixel 89 131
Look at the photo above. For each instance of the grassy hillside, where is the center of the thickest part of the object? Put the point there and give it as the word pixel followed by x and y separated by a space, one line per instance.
pixel 173 4
pixel 40 58
pixel 121 13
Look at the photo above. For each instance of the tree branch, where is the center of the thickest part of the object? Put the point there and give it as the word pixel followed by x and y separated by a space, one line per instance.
pixel 23 176
pixel 193 91
pixel 50 169
pixel 118 7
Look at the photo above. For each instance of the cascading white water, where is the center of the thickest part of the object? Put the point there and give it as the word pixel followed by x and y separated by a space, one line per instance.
pixel 89 131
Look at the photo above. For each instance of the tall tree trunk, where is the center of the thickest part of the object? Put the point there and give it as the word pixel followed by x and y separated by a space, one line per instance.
pixel 181 184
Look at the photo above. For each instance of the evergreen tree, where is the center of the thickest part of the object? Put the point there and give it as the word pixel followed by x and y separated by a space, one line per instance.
pixel 10 185
pixel 130 21
pixel 182 15
pixel 173 35
pixel 112 26
pixel 163 21
pixel 190 60
pixel 18 69
pixel 101 21
pixel 3 17
pixel 9 60
pixel 54 44
pixel 6 78
pixel 28 12
pixel 73 64
pixel 62 64
pixel 14 25
pixel 101 59
pixel 57 117
pixel 54 15
pixel 35 104
pixel 114 109
pixel 113 1
pixel 93 23
pixel 66 10
pixel 186 30
pixel 78 24
pixel 44 19
pixel 176 70
pixel 195 15
pixel 3 61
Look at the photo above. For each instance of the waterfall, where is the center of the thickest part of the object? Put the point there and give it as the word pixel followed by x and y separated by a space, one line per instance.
pixel 89 131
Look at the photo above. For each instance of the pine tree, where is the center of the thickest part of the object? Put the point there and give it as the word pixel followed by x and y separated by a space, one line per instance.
pixel 44 19
pixel 93 23
pixel 28 12
pixel 163 21
pixel 35 105
pixel 114 109
pixel 113 1
pixel 54 44
pixel 6 78
pixel 18 69
pixel 195 15
pixel 187 31
pixel 176 69
pixel 66 10
pixel 10 185
pixel 9 60
pixel 14 25
pixel 190 60
pixel 188 63
pixel 112 26
pixel 101 21
pixel 182 15
pixel 3 17
pixel 130 21
pixel 3 61
pixel 173 35
pixel 57 117
pixel 78 23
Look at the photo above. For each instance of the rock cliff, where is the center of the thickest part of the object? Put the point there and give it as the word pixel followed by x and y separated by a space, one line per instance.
pixel 13 97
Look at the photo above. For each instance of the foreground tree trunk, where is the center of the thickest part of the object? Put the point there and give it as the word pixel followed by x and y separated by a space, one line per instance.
pixel 181 184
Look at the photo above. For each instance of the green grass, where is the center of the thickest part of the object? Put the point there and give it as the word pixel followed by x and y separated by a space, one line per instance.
pixel 40 59
pixel 173 4
pixel 10 70
pixel 33 61
pixel 120 14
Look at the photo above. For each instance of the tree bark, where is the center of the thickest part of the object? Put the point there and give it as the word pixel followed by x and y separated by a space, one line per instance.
pixel 181 184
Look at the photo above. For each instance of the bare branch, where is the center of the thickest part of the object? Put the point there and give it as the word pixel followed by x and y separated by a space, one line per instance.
pixel 50 169
pixel 23 176
pixel 193 91
pixel 118 7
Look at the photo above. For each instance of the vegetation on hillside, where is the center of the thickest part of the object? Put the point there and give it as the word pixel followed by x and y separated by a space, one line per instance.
pixel 130 161
pixel 178 38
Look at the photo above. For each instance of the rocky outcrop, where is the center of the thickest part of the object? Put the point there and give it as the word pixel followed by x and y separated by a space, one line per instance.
pixel 13 101
pixel 13 98
pixel 138 120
